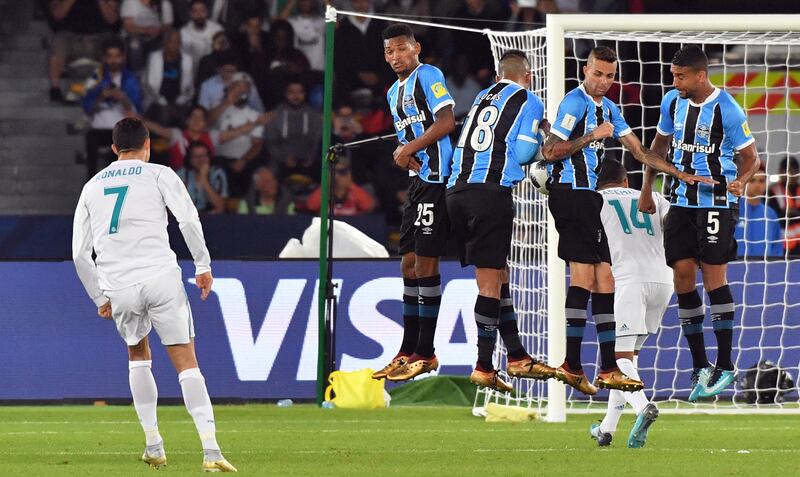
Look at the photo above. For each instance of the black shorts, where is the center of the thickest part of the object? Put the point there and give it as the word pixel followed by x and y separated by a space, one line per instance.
pixel 481 220
pixel 704 234
pixel 581 237
pixel 424 228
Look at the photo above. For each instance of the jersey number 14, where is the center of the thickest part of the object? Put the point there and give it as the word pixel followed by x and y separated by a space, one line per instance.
pixel 633 213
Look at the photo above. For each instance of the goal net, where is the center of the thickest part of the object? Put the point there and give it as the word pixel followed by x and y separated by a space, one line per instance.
pixel 758 62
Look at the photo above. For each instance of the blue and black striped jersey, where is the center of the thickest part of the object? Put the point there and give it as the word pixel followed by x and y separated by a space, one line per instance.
pixel 414 103
pixel 704 139
pixel 486 150
pixel 579 114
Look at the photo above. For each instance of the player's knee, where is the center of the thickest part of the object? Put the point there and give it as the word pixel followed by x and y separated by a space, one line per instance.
pixel 426 266
pixel 408 266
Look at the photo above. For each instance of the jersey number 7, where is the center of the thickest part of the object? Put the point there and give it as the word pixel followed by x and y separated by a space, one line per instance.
pixel 120 192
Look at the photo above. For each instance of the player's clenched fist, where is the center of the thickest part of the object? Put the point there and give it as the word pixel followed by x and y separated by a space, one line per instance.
pixel 603 131
pixel 736 188
pixel 203 282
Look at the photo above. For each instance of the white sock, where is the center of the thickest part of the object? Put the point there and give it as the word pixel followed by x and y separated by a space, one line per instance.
pixel 145 398
pixel 195 396
pixel 616 404
pixel 636 399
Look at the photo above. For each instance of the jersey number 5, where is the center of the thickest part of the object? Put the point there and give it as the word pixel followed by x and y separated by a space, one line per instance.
pixel 120 192
pixel 483 135
pixel 645 223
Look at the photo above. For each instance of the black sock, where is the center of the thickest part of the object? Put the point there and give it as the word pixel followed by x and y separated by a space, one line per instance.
pixel 575 310
pixel 410 316
pixel 603 312
pixel 508 325
pixel 722 320
pixel 430 297
pixel 487 311
pixel 691 314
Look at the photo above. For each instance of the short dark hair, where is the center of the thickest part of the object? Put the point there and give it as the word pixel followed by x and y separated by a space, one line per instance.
pixel 114 42
pixel 195 144
pixel 788 162
pixel 398 29
pixel 227 57
pixel 611 172
pixel 514 54
pixel 129 134
pixel 691 56
pixel 603 53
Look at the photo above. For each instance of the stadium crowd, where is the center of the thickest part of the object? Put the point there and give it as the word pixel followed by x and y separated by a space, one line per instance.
pixel 231 91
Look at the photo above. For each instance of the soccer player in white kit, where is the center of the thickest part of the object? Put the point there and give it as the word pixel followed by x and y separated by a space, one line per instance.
pixel 135 279
pixel 643 291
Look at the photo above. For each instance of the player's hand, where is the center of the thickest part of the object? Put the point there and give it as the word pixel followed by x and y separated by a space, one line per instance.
pixel 104 311
pixel 691 179
pixel 736 188
pixel 646 204
pixel 603 131
pixel 544 126
pixel 408 163
pixel 203 282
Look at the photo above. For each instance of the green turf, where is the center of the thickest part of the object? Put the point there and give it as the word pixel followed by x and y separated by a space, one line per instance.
pixel 412 442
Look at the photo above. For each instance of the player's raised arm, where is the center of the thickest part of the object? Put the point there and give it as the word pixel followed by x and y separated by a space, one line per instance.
pixel 558 145
pixel 651 159
pixel 177 200
pixel 82 245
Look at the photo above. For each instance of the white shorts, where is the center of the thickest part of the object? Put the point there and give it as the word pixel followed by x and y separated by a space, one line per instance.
pixel 159 302
pixel 639 307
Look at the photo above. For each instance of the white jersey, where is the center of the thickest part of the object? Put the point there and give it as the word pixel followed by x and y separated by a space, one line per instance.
pixel 635 239
pixel 122 214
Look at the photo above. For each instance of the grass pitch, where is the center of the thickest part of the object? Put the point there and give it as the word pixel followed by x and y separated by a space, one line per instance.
pixel 306 441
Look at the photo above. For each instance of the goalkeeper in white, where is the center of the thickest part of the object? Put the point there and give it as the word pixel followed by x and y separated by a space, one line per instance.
pixel 643 291
pixel 135 279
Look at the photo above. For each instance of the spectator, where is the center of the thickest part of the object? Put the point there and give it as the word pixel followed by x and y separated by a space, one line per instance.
pixel 309 32
pixel 252 44
pixel 758 231
pixel 80 28
pixel 462 85
pixel 195 130
pixel 143 21
pixel 348 197
pixel 294 133
pixel 284 61
pixel 785 199
pixel 220 45
pixel 240 155
pixel 116 95
pixel 267 197
pixel 207 184
pixel 169 87
pixel 785 193
pixel 231 14
pixel 225 88
pixel 346 127
pixel 198 34
pixel 359 61
pixel 480 14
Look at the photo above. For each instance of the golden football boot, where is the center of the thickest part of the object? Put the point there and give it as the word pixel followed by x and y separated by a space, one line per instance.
pixel 413 369
pixel 398 362
pixel 218 466
pixel 489 380
pixel 154 461
pixel 616 379
pixel 530 368
pixel 576 380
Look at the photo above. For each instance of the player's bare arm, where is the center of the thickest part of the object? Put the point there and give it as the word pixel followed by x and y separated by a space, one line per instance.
pixel 659 146
pixel 659 163
pixel 750 165
pixel 556 149
pixel 443 125
pixel 204 282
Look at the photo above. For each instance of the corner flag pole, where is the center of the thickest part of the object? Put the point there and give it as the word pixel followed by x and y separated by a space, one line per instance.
pixel 322 292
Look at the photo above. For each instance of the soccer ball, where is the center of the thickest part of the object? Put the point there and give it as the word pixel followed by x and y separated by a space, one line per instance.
pixel 538 172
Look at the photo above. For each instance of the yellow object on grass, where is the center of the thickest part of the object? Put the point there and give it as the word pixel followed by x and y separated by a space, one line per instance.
pixel 499 413
pixel 355 390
